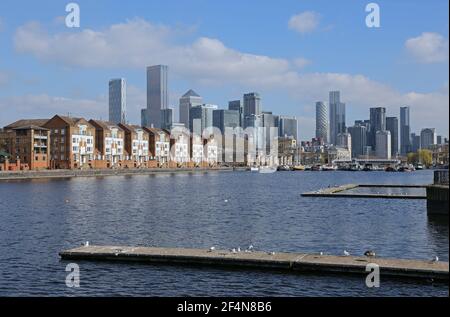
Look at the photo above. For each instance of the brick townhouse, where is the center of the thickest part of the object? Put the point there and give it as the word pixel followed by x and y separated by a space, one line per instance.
pixel 136 144
pixel 109 144
pixel 72 142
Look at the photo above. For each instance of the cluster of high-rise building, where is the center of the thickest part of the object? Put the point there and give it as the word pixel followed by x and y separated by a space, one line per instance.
pixel 380 136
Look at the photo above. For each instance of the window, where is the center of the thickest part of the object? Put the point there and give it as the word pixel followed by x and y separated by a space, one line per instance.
pixel 63 131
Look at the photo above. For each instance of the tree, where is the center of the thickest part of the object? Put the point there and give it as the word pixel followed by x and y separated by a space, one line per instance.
pixel 425 157
pixel 413 158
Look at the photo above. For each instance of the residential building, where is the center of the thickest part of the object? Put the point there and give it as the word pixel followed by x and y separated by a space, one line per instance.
pixel 28 144
pixel 179 147
pixel 322 121
pixel 157 94
pixel 109 143
pixel 392 126
pixel 117 101
pixel 405 131
pixel 287 147
pixel 72 142
pixel 136 144
pixel 337 116
pixel 211 150
pixel 187 101
pixel 159 146
pixel 383 144
pixel 196 148
pixel 428 138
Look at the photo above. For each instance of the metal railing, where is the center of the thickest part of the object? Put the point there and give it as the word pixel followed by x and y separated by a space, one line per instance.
pixel 441 177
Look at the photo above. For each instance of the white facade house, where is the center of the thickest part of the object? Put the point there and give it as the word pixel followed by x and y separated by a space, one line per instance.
pixel 139 147
pixel 114 146
pixel 82 145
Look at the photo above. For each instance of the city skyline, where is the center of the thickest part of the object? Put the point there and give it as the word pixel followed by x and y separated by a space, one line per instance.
pixel 290 76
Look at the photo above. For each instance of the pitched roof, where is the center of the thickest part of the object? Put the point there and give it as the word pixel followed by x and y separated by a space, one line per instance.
pixel 191 93
pixel 30 127
pixel 105 124
pixel 26 122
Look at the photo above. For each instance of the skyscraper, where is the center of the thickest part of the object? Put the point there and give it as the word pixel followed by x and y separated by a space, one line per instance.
pixel 166 118
pixel 383 144
pixel 415 143
pixel 226 119
pixel 117 101
pixel 337 116
pixel 237 106
pixel 157 93
pixel 392 126
pixel 144 117
pixel 377 123
pixel 359 139
pixel 322 121
pixel 201 118
pixel 405 130
pixel 187 101
pixel 252 104
pixel 288 126
pixel 428 138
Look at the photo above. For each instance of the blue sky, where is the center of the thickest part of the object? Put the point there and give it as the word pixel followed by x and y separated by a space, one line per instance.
pixel 223 49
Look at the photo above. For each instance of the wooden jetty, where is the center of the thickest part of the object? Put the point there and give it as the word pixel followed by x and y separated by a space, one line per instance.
pixel 290 262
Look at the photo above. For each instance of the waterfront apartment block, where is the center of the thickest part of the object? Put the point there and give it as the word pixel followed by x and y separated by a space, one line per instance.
pixel 136 145
pixel 109 144
pixel 27 145
pixel 196 147
pixel 179 148
pixel 211 150
pixel 72 142
pixel 159 146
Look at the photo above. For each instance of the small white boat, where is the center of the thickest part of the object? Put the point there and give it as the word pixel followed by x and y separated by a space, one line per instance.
pixel 254 169
pixel 267 169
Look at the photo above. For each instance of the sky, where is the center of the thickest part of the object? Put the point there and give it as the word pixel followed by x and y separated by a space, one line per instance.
pixel 293 52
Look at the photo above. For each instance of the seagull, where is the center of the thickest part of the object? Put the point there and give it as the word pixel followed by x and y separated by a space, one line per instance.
pixel 346 253
pixel 226 200
pixel 250 247
pixel 435 259
pixel 369 253
pixel 271 253
pixel 321 253
pixel 212 249
pixel 86 244
pixel 233 250
pixel 239 249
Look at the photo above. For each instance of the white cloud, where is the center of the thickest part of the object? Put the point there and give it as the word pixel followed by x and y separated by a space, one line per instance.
pixel 304 22
pixel 428 48
pixel 205 61
pixel 301 62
